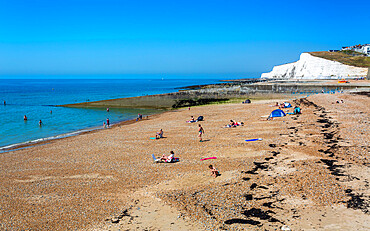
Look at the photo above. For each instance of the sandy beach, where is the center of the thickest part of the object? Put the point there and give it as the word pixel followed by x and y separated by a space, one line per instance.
pixel 309 172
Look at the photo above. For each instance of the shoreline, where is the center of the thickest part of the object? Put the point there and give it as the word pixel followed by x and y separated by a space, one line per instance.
pixel 107 103
pixel 46 140
pixel 43 141
pixel 31 143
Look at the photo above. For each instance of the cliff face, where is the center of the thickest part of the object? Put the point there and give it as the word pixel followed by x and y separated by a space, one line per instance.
pixel 311 67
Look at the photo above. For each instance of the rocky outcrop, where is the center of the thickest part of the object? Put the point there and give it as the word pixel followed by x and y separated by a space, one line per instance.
pixel 311 67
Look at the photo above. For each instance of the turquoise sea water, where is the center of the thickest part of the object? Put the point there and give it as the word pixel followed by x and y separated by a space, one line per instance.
pixel 37 98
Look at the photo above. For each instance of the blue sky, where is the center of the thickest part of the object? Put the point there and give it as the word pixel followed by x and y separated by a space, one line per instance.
pixel 231 38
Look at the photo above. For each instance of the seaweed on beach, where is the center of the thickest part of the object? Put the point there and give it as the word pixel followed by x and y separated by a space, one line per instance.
pixel 196 102
pixel 366 93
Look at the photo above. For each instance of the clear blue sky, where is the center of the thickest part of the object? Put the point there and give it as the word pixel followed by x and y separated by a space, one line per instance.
pixel 223 37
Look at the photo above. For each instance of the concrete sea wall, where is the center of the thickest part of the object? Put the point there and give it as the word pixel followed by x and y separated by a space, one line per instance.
pixel 221 92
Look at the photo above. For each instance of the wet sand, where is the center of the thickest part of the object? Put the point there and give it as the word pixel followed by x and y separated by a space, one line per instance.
pixel 310 172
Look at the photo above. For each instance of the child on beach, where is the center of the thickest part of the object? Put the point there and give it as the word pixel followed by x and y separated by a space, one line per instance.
pixel 214 171
pixel 201 131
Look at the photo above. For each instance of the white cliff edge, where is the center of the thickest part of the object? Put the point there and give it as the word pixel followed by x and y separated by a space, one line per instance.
pixel 311 67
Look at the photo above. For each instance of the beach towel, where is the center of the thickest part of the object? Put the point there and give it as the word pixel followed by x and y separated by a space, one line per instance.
pixel 209 158
pixel 253 139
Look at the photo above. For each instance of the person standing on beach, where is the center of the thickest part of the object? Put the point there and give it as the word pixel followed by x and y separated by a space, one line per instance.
pixel 201 132
pixel 107 122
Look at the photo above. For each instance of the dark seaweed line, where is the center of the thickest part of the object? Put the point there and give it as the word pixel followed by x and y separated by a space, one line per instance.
pixel 356 201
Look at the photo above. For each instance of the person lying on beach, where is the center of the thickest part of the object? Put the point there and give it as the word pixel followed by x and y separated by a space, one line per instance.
pixel 168 158
pixel 159 134
pixel 192 120
pixel 214 171
pixel 233 124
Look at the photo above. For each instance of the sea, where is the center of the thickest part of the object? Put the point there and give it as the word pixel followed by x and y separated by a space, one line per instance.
pixel 38 100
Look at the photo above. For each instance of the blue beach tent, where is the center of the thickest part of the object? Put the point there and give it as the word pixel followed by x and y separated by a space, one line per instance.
pixel 277 113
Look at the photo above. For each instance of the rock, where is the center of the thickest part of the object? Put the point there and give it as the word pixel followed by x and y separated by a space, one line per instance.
pixel 115 220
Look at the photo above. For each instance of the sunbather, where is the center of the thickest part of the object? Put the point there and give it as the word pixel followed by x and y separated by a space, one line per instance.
pixel 159 134
pixel 168 158
pixel 297 110
pixel 233 124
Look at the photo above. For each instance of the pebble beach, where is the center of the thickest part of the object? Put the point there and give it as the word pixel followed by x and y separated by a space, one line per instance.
pixel 308 172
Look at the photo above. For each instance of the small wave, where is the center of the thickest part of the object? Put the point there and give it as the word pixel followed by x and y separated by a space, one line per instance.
pixel 31 143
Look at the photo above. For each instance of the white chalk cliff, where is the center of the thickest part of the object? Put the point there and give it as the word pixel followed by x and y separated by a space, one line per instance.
pixel 311 67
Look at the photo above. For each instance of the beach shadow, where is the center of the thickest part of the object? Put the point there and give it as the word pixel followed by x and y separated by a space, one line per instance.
pixel 206 140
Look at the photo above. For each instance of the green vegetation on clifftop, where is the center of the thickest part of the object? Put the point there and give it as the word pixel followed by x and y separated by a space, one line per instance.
pixel 344 57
